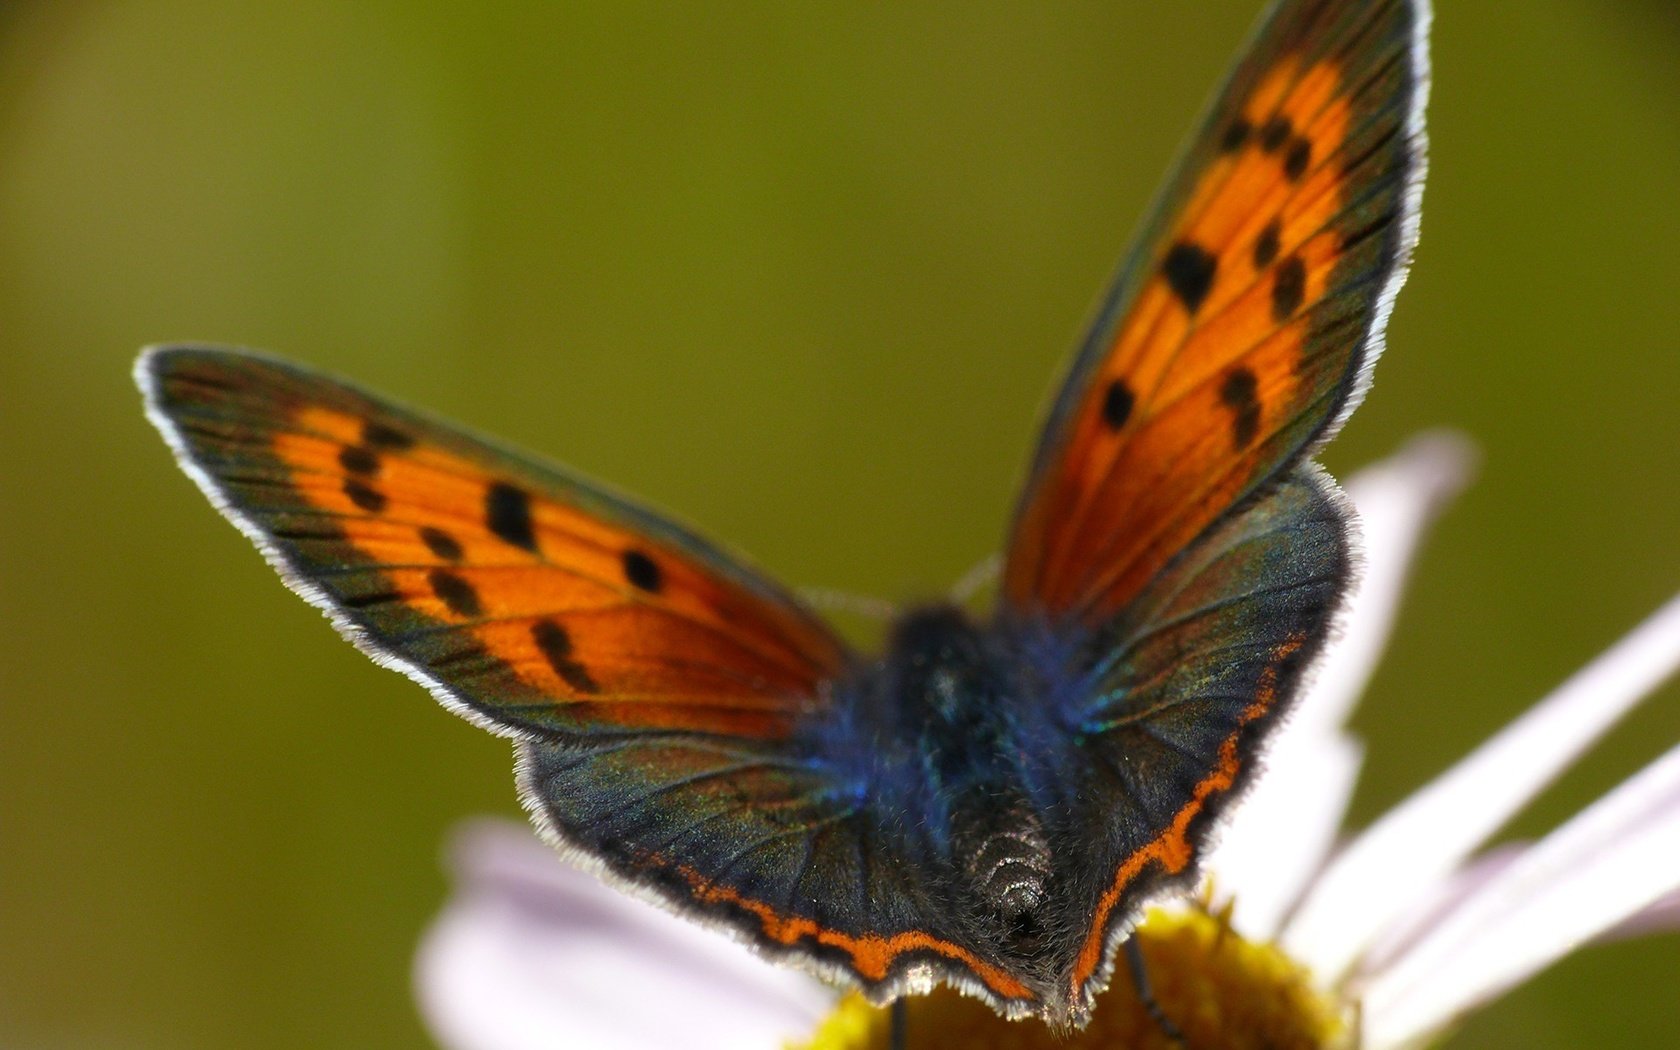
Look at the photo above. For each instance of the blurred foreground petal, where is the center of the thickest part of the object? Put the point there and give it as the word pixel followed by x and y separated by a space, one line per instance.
pixel 533 954
pixel 1607 864
pixel 1387 870
pixel 1660 916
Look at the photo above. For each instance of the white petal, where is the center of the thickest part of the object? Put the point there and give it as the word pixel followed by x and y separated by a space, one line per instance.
pixel 1399 860
pixel 1611 861
pixel 1278 838
pixel 1397 499
pixel 1448 896
pixel 1660 916
pixel 532 954
pixel 1286 825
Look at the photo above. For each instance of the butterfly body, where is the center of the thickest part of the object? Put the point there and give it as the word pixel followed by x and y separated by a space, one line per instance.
pixel 987 802
pixel 950 724
pixel 980 782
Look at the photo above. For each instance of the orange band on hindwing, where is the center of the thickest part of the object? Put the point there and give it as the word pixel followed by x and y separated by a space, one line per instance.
pixel 873 955
pixel 1172 850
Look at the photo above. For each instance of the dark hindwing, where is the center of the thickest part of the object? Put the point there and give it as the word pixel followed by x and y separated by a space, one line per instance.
pixel 764 844
pixel 1204 666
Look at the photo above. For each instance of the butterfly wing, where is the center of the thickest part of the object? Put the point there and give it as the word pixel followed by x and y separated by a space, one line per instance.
pixel 1170 521
pixel 525 599
pixel 656 686
pixel 1240 331
pixel 1190 680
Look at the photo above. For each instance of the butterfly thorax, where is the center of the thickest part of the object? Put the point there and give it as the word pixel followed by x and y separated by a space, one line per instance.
pixel 944 708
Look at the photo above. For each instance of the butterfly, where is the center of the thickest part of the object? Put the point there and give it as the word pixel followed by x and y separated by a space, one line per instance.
pixel 988 802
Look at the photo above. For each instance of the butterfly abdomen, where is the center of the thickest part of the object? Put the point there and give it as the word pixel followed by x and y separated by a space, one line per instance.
pixel 1006 863
pixel 944 766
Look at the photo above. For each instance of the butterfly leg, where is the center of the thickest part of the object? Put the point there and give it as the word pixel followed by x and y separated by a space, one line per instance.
pixel 1146 995
pixel 899 1022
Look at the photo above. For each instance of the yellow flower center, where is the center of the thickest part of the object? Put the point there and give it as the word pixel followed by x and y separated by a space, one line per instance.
pixel 1219 989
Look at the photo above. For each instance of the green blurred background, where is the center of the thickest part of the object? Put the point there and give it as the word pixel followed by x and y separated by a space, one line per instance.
pixel 802 277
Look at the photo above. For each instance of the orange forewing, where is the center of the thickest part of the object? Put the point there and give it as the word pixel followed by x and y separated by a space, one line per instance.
pixel 562 588
pixel 1236 337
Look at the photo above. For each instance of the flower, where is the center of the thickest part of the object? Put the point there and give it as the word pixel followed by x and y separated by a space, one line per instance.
pixel 1395 934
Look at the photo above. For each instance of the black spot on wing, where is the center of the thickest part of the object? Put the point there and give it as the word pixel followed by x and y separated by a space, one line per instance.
pixel 1240 393
pixel 358 459
pixel 364 496
pixel 507 513
pixel 440 543
pixel 556 646
pixel 1117 404
pixel 1289 287
pixel 455 593
pixel 643 572
pixel 1236 136
pixel 380 435
pixel 1296 159
pixel 1266 245
pixel 1189 270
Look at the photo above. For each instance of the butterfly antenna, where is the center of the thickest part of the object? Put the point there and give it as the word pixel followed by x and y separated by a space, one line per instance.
pixel 856 604
pixel 1146 995
pixel 899 1020
pixel 975 579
